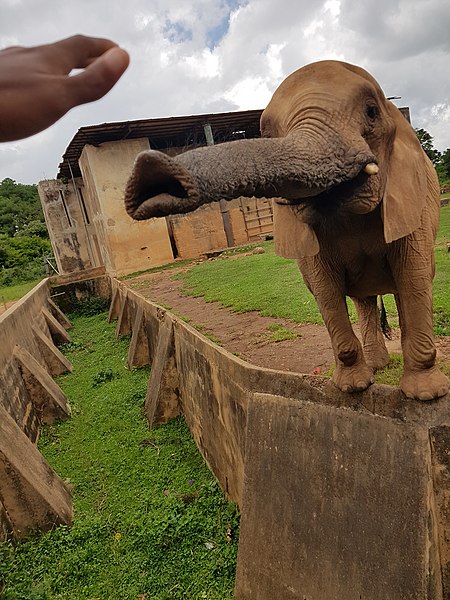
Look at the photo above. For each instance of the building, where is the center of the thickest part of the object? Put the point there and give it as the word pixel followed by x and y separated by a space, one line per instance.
pixel 84 210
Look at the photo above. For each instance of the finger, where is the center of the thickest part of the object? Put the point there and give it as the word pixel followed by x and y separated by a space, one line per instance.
pixel 78 51
pixel 99 77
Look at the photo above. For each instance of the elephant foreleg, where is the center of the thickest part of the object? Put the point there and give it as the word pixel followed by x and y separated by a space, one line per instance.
pixel 352 374
pixel 374 347
pixel 422 378
pixel 412 264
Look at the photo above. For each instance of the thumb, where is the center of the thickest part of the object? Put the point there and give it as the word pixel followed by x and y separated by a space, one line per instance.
pixel 99 77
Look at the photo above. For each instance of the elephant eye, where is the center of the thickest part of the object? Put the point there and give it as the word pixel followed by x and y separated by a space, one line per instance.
pixel 372 112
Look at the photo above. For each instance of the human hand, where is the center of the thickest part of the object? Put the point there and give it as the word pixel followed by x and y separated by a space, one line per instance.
pixel 36 89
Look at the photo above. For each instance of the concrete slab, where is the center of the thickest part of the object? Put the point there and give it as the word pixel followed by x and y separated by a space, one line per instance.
pixel 124 319
pixel 162 401
pixel 57 331
pixel 47 397
pixel 138 353
pixel 114 307
pixel 337 503
pixel 58 314
pixel 30 491
pixel 56 362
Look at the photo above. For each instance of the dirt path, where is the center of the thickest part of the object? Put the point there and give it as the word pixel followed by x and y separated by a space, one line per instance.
pixel 247 334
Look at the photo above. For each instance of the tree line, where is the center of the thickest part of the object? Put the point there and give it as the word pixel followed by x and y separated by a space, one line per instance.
pixel 23 233
pixel 440 160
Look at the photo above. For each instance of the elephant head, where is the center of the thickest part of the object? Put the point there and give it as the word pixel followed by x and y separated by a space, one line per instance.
pixel 330 142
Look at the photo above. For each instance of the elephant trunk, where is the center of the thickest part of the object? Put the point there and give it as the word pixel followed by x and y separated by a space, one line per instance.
pixel 264 167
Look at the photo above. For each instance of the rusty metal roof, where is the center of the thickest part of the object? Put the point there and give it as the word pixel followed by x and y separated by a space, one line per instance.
pixel 162 134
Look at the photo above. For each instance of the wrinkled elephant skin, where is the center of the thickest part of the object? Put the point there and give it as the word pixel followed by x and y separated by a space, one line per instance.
pixel 356 203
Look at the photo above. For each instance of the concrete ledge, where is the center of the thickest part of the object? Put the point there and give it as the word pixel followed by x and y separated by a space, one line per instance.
pixel 33 496
pixel 30 494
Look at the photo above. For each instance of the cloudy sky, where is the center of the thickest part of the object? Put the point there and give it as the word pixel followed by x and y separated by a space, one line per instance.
pixel 207 56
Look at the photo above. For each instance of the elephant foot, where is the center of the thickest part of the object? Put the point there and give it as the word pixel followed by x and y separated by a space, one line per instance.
pixel 428 384
pixel 355 378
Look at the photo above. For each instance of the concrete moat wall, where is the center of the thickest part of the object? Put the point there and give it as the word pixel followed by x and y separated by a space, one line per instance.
pixel 31 494
pixel 341 496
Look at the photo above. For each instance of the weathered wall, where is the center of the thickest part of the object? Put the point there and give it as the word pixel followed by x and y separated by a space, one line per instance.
pixel 18 325
pixel 70 290
pixel 199 232
pixel 203 230
pixel 68 225
pixel 31 494
pixel 126 245
pixel 356 484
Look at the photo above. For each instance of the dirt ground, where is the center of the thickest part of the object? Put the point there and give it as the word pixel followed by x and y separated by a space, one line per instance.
pixel 247 334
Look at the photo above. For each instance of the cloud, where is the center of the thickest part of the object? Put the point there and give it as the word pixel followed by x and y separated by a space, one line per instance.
pixel 220 55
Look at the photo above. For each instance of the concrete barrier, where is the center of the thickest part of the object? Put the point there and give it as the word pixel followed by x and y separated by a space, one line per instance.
pixel 31 494
pixel 341 496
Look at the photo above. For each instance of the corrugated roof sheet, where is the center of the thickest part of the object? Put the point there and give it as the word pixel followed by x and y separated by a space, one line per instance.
pixel 162 133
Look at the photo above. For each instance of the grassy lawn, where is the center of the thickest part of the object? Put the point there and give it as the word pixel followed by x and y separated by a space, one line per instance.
pixel 150 521
pixel 273 285
pixel 15 292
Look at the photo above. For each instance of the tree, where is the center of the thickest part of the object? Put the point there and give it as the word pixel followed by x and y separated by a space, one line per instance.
pixel 426 141
pixel 23 234
pixel 445 163
pixel 19 204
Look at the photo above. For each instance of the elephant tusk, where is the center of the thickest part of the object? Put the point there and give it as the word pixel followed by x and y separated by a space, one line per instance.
pixel 371 169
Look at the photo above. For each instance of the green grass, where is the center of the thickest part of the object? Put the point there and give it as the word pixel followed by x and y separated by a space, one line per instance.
pixel 15 292
pixel 150 521
pixel 279 333
pixel 263 282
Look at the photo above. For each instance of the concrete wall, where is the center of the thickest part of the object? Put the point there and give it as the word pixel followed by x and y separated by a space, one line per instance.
pixel 203 230
pixel 69 226
pixel 199 232
pixel 31 494
pixel 125 245
pixel 341 496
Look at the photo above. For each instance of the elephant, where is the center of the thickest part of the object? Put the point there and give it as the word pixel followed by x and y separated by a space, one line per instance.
pixel 356 203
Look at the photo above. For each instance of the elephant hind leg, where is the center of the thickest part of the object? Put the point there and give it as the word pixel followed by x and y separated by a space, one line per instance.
pixel 374 348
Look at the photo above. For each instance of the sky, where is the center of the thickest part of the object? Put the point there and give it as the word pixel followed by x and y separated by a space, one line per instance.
pixel 206 56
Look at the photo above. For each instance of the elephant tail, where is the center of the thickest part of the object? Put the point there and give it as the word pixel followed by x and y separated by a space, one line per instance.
pixel 385 327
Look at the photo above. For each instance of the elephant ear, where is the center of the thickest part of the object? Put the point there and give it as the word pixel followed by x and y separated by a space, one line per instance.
pixel 406 186
pixel 293 238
